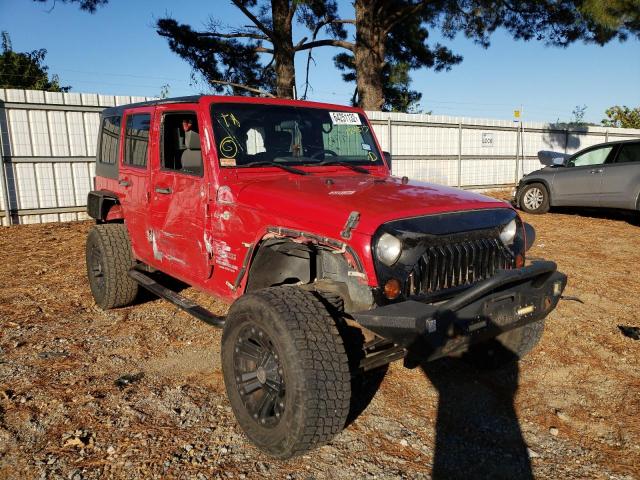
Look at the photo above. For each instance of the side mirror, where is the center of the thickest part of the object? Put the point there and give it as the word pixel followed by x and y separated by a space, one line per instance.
pixel 530 236
pixel 559 162
pixel 387 159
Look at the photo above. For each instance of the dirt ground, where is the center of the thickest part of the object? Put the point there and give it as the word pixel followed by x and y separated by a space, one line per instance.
pixel 571 409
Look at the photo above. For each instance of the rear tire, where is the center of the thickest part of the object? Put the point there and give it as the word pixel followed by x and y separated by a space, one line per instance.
pixel 109 258
pixel 535 198
pixel 285 370
pixel 507 348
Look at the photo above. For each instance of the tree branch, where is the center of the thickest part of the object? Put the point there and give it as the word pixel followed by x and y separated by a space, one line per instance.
pixel 257 36
pixel 244 87
pixel 327 42
pixel 253 18
pixel 402 13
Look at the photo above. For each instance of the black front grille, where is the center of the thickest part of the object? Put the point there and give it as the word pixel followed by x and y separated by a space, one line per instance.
pixel 450 265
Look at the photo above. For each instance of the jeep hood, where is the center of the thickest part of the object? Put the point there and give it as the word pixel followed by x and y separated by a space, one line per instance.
pixel 315 199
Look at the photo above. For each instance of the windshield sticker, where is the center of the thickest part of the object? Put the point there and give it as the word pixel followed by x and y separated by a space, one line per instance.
pixel 230 119
pixel 228 147
pixel 372 156
pixel 228 162
pixel 344 118
pixel 355 129
pixel 366 146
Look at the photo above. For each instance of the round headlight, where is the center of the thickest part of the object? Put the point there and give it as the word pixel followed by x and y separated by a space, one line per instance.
pixel 508 233
pixel 388 249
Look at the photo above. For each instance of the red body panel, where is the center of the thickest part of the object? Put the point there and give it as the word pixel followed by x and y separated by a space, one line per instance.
pixel 204 229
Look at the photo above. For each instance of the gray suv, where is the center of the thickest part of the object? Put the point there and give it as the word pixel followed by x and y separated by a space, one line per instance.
pixel 605 175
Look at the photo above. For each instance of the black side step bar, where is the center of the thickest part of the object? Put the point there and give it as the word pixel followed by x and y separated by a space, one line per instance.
pixel 185 304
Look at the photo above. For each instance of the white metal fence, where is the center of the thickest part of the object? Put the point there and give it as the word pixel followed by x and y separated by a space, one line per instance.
pixel 48 143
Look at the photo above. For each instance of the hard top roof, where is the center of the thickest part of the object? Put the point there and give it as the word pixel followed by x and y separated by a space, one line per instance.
pixel 119 110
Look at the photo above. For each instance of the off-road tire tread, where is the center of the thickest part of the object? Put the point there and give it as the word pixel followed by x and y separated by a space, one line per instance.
pixel 113 240
pixel 324 360
pixel 530 335
pixel 546 203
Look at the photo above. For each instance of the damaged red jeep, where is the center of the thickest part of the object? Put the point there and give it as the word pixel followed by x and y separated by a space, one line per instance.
pixel 334 268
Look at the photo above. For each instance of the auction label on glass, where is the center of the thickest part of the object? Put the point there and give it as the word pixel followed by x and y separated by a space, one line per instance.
pixel 345 118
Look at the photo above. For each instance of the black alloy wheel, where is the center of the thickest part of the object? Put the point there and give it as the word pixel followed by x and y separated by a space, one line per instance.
pixel 259 376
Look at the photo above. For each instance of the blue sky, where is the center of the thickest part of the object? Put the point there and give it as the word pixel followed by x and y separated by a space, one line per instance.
pixel 116 51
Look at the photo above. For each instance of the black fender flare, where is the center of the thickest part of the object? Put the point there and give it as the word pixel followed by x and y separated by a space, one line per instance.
pixel 99 202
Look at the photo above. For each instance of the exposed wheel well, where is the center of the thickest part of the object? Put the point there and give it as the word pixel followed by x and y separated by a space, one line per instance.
pixel 283 261
pixel 280 262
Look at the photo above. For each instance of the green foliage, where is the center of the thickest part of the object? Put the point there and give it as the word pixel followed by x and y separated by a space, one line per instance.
pixel 407 24
pixel 87 5
pixel 26 70
pixel 622 117
pixel 164 90
pixel 229 59
pixel 398 97
pixel 578 115
pixel 217 59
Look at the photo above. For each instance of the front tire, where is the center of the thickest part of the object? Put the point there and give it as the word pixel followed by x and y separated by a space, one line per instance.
pixel 285 370
pixel 109 258
pixel 506 348
pixel 535 198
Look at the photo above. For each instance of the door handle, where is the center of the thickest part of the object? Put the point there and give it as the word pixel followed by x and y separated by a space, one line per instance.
pixel 598 170
pixel 163 190
pixel 124 183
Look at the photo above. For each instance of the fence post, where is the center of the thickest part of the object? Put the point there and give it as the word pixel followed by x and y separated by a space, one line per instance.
pixel 606 135
pixel 460 154
pixel 521 150
pixel 3 177
pixel 515 181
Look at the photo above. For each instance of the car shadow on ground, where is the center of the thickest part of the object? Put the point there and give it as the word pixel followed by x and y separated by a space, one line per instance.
pixel 477 430
pixel 629 216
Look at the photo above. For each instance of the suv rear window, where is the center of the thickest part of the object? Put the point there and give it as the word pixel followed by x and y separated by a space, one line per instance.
pixel 136 140
pixel 109 140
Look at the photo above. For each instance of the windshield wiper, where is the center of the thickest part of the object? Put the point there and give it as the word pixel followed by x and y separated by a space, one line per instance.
pixel 274 164
pixel 355 168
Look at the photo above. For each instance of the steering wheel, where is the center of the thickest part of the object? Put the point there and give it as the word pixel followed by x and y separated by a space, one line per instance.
pixel 330 152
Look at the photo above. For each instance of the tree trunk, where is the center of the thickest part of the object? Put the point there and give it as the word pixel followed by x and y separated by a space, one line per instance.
pixel 283 52
pixel 369 54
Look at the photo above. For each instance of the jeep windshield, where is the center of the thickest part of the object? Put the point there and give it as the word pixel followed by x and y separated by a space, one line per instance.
pixel 255 135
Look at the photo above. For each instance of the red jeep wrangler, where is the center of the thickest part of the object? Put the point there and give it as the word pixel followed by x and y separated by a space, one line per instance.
pixel 335 268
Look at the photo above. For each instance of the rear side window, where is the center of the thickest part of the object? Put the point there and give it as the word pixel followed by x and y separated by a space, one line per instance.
pixel 109 140
pixel 136 140
pixel 629 153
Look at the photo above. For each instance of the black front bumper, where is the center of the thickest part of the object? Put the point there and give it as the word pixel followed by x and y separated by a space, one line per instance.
pixel 510 299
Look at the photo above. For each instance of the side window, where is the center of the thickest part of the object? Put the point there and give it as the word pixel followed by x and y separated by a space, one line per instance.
pixel 109 140
pixel 136 140
pixel 592 157
pixel 180 143
pixel 629 153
